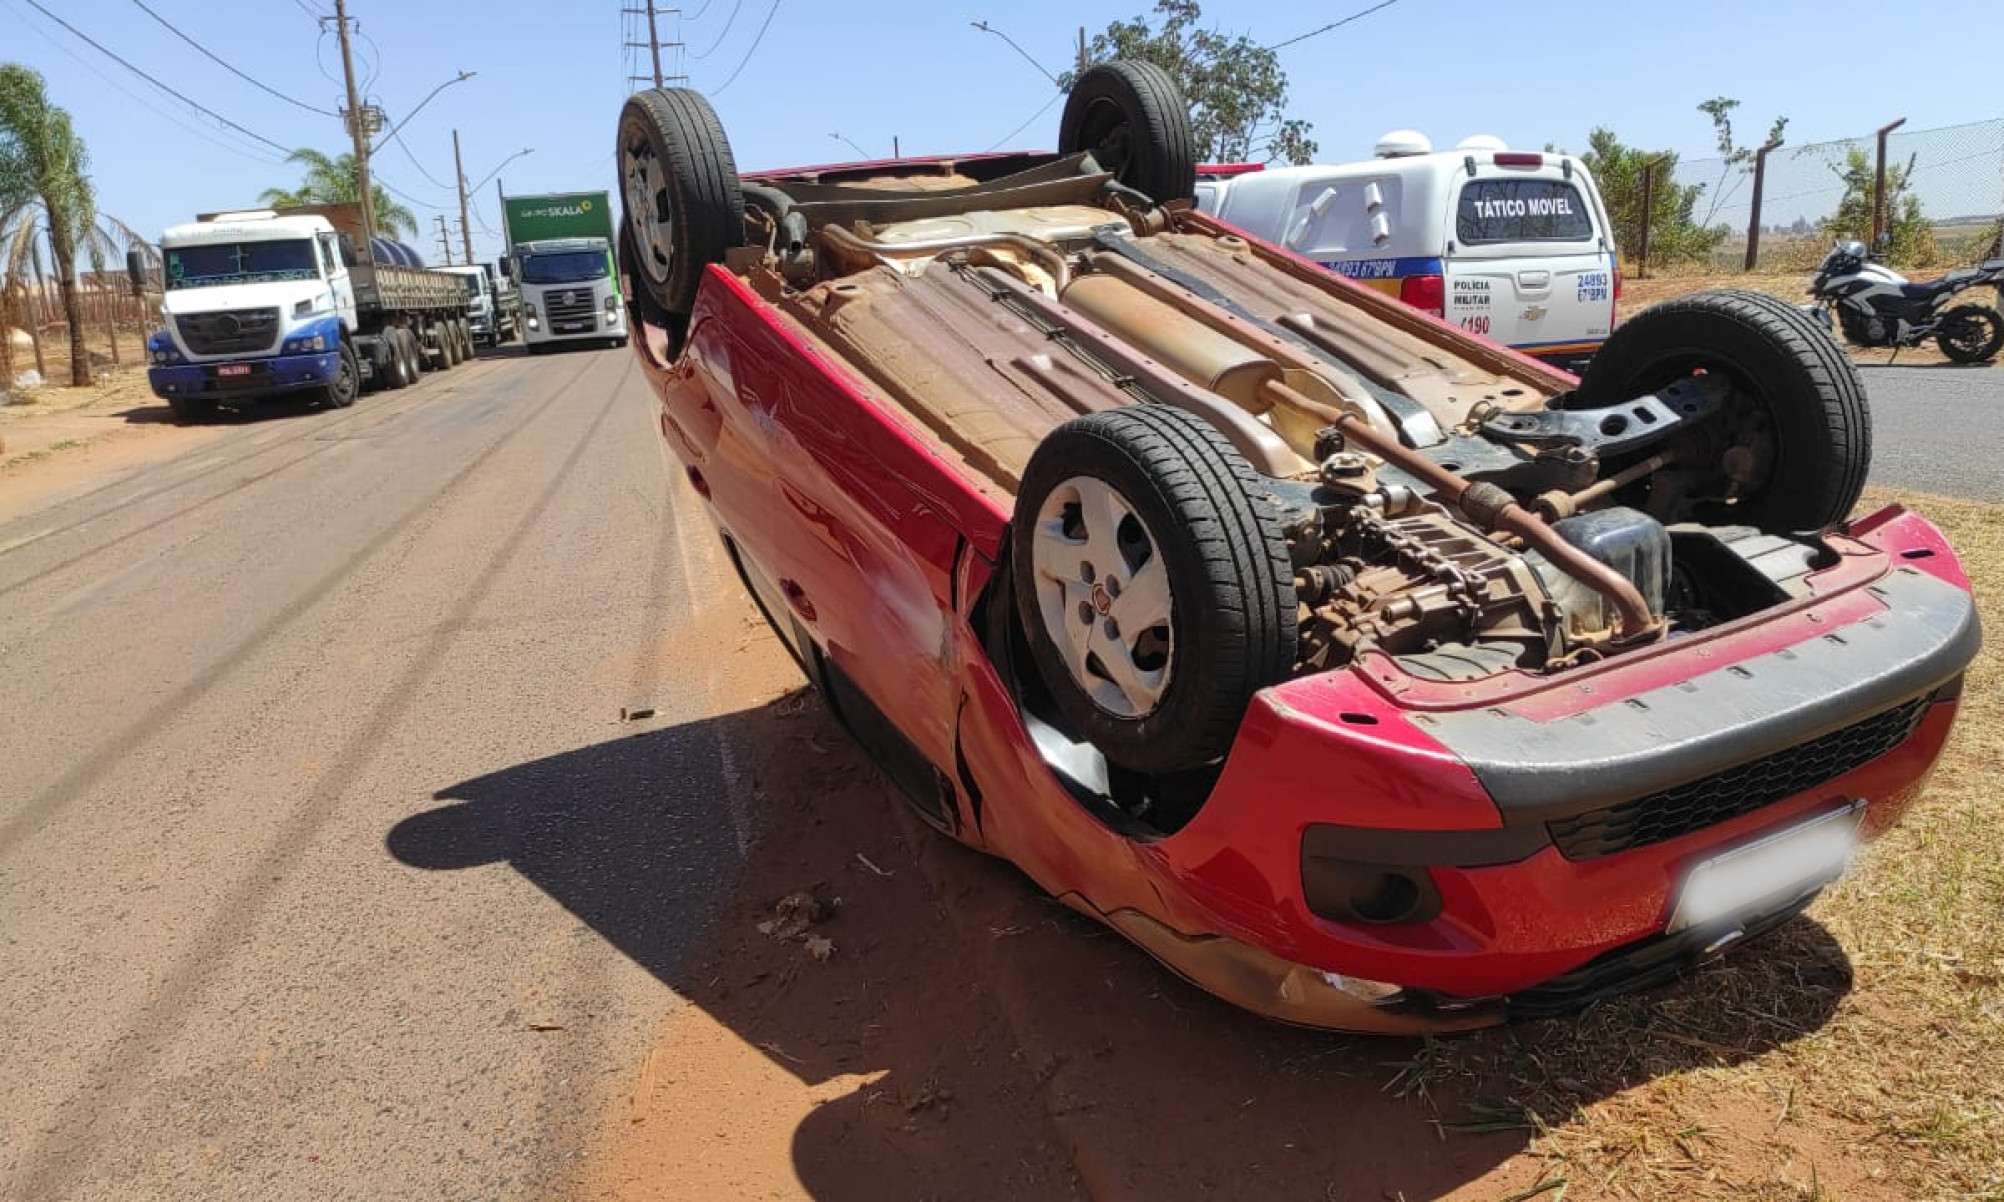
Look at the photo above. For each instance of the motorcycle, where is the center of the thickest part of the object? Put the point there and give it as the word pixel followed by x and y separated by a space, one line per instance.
pixel 1877 306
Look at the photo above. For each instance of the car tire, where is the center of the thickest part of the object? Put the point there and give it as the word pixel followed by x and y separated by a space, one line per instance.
pixel 679 184
pixel 1807 403
pixel 347 383
pixel 1970 333
pixel 1162 513
pixel 1134 120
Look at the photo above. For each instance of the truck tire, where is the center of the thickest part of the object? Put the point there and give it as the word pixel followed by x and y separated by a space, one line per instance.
pixel 1153 584
pixel 392 371
pixel 1134 120
pixel 1798 410
pixel 413 353
pixel 347 383
pixel 468 344
pixel 679 183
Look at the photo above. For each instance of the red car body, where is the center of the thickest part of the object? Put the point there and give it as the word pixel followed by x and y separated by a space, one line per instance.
pixel 883 552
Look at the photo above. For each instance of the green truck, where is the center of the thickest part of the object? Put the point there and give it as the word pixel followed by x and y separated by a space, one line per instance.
pixel 560 252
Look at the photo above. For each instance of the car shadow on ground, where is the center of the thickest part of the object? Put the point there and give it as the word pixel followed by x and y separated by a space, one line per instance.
pixel 1010 1048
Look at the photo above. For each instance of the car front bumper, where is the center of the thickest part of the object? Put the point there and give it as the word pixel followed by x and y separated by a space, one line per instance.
pixel 266 377
pixel 1551 820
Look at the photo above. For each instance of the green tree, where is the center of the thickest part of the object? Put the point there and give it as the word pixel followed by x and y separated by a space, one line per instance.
pixel 335 181
pixel 1235 87
pixel 44 190
pixel 1675 234
pixel 1910 238
pixel 1733 158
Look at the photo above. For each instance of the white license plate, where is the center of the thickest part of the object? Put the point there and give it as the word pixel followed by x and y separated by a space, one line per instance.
pixel 233 369
pixel 1778 868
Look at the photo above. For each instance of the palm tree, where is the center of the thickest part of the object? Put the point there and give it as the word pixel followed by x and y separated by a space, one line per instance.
pixel 333 181
pixel 43 189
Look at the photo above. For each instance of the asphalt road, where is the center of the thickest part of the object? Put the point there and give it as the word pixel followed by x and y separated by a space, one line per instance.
pixel 273 714
pixel 1938 429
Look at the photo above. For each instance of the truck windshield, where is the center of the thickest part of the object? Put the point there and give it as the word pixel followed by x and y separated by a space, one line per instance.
pixel 566 267
pixel 241 263
pixel 472 283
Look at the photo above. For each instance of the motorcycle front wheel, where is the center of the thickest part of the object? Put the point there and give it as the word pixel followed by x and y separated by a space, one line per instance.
pixel 1970 333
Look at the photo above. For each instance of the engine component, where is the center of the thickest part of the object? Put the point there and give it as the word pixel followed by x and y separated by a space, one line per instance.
pixel 1614 429
pixel 1412 583
pixel 1627 540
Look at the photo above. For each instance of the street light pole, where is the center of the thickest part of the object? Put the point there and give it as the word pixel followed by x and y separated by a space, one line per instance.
pixel 358 130
pixel 459 177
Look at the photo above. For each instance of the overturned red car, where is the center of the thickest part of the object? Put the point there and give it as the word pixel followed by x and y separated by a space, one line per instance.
pixel 1366 673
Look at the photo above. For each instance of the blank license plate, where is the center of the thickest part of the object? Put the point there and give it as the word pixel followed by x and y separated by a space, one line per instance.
pixel 1780 868
pixel 233 369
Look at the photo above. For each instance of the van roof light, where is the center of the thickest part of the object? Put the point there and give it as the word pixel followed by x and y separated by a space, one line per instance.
pixel 1519 158
pixel 1401 143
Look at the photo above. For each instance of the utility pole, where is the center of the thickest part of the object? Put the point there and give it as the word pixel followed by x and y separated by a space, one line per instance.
pixel 654 43
pixel 358 129
pixel 459 177
pixel 1082 50
pixel 444 239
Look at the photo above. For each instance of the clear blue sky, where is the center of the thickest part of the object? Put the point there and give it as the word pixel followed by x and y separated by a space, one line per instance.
pixel 550 76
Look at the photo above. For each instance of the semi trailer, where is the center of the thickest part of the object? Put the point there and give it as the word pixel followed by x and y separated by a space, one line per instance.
pixel 264 303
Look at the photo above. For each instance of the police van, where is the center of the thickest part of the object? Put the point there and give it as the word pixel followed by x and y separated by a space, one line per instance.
pixel 1513 245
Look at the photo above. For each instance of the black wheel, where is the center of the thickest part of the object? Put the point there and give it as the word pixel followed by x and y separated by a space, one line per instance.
pixel 465 330
pixel 347 382
pixel 388 362
pixel 1969 333
pixel 680 185
pixel 414 359
pixel 447 343
pixel 1133 119
pixel 190 410
pixel 1794 445
pixel 1153 584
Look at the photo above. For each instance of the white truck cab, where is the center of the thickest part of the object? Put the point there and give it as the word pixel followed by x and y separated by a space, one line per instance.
pixel 253 281
pixel 482 306
pixel 570 293
pixel 1512 245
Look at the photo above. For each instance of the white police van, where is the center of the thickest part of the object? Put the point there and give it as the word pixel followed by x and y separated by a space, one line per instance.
pixel 1513 245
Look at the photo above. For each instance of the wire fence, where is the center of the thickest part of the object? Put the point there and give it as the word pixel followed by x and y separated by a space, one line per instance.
pixel 1941 203
pixel 34 330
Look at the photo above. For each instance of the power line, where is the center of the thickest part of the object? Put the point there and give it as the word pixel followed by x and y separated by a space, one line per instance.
pixel 769 14
pixel 1334 24
pixel 985 27
pixel 212 137
pixel 219 61
pixel 728 22
pixel 398 138
pixel 308 10
pixel 1027 121
pixel 99 47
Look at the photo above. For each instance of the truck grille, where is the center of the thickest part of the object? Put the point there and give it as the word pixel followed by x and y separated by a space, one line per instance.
pixel 579 313
pixel 233 332
pixel 1738 790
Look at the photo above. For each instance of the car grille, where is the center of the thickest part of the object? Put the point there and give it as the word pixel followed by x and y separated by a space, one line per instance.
pixel 570 316
pixel 228 333
pixel 1738 790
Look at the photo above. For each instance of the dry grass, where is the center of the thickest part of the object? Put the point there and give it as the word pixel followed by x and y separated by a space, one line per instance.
pixel 1784 1073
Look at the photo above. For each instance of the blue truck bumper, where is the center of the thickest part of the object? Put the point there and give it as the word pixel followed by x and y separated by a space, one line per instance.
pixel 264 377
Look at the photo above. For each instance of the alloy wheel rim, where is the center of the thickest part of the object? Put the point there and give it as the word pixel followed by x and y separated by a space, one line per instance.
pixel 649 211
pixel 1104 597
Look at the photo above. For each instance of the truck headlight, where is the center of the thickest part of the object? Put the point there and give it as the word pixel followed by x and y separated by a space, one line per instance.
pixel 294 346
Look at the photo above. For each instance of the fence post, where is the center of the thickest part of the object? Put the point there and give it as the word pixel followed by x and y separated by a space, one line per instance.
pixel 1648 210
pixel 1879 185
pixel 1753 221
pixel 109 301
